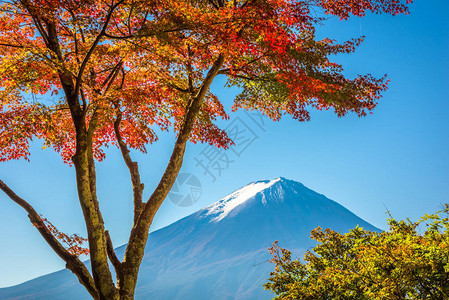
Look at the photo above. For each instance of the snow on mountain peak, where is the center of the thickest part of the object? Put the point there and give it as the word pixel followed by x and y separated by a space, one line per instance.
pixel 223 207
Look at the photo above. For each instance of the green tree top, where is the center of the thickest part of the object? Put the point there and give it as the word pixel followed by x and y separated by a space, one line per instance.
pixel 409 261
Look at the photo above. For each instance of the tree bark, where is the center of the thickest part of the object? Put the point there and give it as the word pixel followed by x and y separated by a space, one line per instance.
pixel 93 219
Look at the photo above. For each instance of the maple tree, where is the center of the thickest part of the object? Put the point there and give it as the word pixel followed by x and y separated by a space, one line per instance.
pixel 409 261
pixel 111 71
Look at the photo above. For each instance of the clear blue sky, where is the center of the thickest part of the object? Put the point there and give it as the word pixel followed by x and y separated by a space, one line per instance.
pixel 396 158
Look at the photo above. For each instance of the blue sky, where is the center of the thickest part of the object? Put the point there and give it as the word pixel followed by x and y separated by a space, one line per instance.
pixel 396 158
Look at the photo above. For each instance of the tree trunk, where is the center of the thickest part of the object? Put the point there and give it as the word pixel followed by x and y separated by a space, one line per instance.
pixel 94 223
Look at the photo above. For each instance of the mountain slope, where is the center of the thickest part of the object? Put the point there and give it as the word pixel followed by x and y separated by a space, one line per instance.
pixel 219 252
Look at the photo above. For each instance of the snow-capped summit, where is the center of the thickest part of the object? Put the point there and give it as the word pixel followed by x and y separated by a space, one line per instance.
pixel 223 207
pixel 219 252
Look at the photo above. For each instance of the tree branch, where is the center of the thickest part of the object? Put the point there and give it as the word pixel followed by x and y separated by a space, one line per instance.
pixel 72 262
pixel 209 78
pixel 174 86
pixel 112 76
pixel 213 4
pixel 112 256
pixel 139 233
pixel 148 34
pixel 93 46
pixel 132 167
pixel 11 45
pixel 249 78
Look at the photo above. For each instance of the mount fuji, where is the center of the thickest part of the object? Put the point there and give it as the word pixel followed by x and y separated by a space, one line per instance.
pixel 219 252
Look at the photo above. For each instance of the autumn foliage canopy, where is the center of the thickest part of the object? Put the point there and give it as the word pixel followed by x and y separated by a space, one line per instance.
pixel 141 60
pixel 84 74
